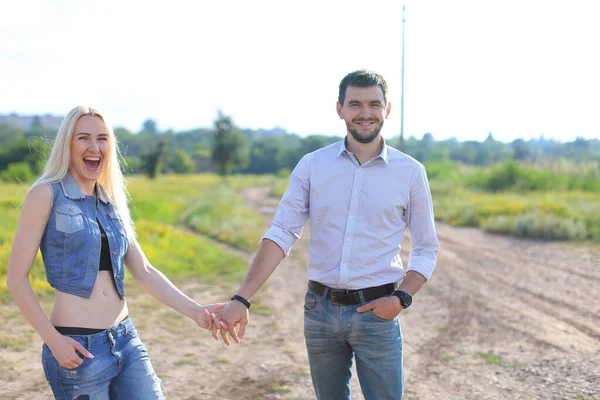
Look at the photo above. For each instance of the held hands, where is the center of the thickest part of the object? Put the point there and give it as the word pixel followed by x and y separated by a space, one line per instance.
pixel 383 307
pixel 233 315
pixel 203 316
pixel 66 351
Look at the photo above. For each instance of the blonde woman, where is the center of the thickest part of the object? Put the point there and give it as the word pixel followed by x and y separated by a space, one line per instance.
pixel 76 213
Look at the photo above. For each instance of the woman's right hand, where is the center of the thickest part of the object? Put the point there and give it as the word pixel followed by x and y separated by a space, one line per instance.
pixel 65 351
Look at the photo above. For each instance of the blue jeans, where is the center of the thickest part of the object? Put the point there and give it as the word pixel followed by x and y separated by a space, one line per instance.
pixel 336 334
pixel 120 369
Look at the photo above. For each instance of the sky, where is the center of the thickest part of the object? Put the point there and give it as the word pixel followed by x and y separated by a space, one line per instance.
pixel 518 69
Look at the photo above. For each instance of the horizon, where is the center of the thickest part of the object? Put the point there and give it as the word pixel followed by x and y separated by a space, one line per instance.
pixel 278 128
pixel 517 70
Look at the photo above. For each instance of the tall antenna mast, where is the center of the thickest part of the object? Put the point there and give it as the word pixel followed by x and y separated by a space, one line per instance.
pixel 402 86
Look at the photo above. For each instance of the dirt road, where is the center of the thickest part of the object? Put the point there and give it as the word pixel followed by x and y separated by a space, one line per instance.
pixel 501 318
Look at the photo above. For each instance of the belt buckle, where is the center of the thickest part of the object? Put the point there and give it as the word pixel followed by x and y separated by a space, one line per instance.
pixel 339 292
pixel 334 294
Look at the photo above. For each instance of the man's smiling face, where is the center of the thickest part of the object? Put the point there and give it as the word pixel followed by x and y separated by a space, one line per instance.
pixel 364 111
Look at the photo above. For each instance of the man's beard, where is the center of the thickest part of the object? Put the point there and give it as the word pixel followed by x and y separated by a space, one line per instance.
pixel 364 139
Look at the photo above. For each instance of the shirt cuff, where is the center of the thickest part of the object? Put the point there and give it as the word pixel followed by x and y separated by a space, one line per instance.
pixel 423 267
pixel 282 238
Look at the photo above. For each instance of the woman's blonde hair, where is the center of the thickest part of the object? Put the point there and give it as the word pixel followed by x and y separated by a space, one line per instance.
pixel 111 179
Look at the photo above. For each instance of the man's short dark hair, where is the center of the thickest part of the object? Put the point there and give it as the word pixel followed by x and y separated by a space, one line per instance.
pixel 362 78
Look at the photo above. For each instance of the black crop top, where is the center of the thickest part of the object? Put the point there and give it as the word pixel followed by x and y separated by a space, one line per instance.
pixel 105 261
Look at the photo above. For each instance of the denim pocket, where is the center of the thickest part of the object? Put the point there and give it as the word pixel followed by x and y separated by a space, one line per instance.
pixel 53 368
pixel 379 319
pixel 69 219
pixel 311 301
pixel 73 373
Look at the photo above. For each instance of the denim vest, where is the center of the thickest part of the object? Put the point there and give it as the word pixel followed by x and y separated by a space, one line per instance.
pixel 71 243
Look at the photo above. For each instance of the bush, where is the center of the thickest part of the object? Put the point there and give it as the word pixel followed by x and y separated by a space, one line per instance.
pixel 504 177
pixel 535 225
pixel 516 177
pixel 17 172
pixel 181 163
pixel 589 182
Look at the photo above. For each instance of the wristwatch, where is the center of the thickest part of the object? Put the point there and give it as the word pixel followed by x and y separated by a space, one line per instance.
pixel 405 298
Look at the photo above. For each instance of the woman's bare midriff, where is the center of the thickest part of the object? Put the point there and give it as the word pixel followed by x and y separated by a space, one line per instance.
pixel 102 310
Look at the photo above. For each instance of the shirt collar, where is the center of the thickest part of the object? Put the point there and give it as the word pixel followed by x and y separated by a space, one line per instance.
pixel 384 151
pixel 342 147
pixel 383 155
pixel 71 189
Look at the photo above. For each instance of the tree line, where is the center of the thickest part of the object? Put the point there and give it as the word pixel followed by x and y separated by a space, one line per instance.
pixel 225 148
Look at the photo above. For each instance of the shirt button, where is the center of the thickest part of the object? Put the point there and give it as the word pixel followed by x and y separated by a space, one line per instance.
pixel 71 208
pixel 114 253
pixel 108 228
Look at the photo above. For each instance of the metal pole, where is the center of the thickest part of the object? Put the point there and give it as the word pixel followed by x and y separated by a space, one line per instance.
pixel 402 87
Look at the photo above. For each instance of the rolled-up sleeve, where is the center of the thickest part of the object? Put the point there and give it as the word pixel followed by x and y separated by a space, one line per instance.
pixel 423 238
pixel 292 212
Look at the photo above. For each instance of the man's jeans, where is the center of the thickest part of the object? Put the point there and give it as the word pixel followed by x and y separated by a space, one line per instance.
pixel 120 369
pixel 334 334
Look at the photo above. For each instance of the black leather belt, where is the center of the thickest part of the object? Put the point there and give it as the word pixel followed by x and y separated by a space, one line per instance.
pixel 345 297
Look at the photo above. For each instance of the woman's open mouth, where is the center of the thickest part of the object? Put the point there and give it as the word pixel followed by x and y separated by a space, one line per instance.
pixel 92 162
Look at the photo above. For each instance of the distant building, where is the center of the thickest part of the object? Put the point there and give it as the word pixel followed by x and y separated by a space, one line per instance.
pixel 25 122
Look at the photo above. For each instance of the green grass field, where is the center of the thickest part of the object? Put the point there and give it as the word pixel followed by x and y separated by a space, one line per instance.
pixel 566 215
pixel 556 201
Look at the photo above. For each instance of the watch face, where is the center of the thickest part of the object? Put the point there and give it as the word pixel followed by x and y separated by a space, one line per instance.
pixel 405 298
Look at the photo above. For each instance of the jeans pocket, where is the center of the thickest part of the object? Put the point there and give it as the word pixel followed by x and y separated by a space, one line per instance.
pixel 52 368
pixel 73 373
pixel 69 219
pixel 378 318
pixel 311 301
